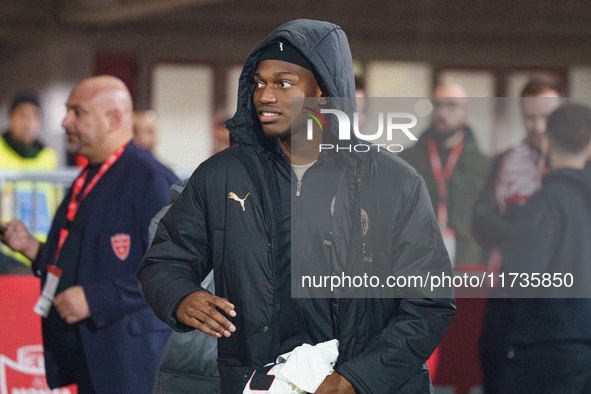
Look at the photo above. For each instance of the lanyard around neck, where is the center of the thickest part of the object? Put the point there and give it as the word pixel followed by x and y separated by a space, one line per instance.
pixel 78 195
pixel 442 174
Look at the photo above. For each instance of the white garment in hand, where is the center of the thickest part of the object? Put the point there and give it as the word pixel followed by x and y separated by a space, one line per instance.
pixel 299 371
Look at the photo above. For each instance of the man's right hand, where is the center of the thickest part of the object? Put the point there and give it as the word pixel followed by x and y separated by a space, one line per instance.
pixel 200 310
pixel 15 235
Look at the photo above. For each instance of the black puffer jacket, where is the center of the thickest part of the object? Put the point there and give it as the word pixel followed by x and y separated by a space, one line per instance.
pixel 383 342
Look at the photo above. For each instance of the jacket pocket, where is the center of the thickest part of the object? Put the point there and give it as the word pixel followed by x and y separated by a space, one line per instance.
pixel 234 379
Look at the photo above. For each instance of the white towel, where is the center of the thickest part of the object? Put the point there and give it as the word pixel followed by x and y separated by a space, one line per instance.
pixel 299 371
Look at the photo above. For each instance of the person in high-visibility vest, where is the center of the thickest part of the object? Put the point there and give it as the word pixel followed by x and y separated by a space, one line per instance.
pixel 20 149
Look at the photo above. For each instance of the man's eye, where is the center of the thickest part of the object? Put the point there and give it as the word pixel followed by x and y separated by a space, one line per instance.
pixel 286 84
pixel 258 84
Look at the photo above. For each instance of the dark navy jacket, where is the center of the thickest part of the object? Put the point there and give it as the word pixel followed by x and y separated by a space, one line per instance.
pixel 122 340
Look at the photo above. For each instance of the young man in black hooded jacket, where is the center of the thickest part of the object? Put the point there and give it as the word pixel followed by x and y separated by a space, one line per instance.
pixel 242 208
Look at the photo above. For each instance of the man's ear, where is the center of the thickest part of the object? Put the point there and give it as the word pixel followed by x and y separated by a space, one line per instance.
pixel 322 96
pixel 114 117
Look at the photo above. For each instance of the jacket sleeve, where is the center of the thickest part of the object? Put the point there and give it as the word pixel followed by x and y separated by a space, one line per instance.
pixel 395 356
pixel 177 260
pixel 489 226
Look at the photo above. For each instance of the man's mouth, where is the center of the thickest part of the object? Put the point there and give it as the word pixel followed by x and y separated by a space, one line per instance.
pixel 269 116
pixel 72 138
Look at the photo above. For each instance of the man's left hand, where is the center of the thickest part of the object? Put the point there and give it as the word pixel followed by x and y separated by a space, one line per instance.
pixel 71 304
pixel 335 383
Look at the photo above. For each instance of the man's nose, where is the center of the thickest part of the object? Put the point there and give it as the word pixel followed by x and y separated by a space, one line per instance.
pixel 540 126
pixel 267 95
pixel 66 121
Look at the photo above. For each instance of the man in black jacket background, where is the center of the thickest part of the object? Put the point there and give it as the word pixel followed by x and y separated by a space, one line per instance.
pixel 515 176
pixel 242 209
pixel 549 332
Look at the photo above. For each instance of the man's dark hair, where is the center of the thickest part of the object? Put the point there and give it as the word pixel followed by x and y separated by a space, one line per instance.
pixel 540 84
pixel 25 97
pixel 569 127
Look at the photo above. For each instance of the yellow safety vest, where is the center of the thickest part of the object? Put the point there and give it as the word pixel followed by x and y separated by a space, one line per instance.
pixel 10 160
pixel 32 203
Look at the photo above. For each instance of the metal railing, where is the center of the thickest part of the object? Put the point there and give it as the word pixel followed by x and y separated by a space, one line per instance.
pixel 33 196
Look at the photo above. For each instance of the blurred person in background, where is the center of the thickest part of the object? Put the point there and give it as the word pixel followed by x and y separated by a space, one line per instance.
pixel 549 339
pixel 448 158
pixel 145 131
pixel 20 149
pixel 98 331
pixel 515 176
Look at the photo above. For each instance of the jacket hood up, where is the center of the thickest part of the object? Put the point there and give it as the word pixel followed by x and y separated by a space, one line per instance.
pixel 324 45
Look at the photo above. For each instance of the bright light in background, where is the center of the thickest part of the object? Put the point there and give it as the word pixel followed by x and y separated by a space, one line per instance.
pixel 182 100
pixel 54 110
pixel 232 90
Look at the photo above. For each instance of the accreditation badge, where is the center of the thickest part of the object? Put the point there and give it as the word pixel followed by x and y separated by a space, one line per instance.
pixel 449 239
pixel 45 301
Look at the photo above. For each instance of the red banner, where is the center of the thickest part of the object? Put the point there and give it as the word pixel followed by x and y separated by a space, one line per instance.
pixel 22 367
